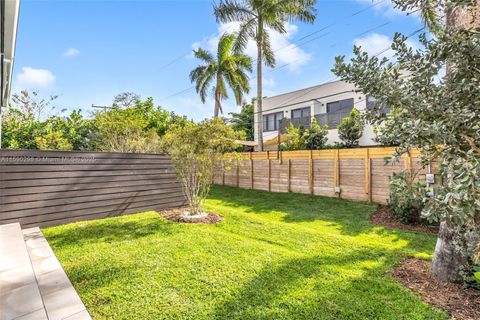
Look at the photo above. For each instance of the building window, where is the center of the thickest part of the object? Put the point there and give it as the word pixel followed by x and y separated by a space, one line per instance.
pixel 341 106
pixel 271 122
pixel 301 113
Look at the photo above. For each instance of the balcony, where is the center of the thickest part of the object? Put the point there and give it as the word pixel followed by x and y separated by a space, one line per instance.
pixel 285 123
pixel 333 120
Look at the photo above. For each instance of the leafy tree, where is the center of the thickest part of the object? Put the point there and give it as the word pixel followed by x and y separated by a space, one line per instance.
pixel 441 118
pixel 243 121
pixel 126 99
pixel 388 133
pixel 32 104
pixel 136 128
pixel 316 136
pixel 351 129
pixel 295 139
pixel 257 18
pixel 52 140
pixel 195 150
pixel 79 131
pixel 125 130
pixel 229 67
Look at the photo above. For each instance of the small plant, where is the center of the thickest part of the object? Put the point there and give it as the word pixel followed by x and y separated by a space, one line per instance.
pixel 351 129
pixel 195 150
pixel 406 198
pixel 301 138
pixel 316 136
pixel 295 139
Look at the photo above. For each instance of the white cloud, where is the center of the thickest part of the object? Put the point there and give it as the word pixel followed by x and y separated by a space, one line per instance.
pixel 30 77
pixel 376 43
pixel 71 52
pixel 285 51
pixel 385 7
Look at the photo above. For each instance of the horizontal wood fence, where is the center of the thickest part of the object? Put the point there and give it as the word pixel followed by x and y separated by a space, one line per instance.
pixel 44 188
pixel 356 174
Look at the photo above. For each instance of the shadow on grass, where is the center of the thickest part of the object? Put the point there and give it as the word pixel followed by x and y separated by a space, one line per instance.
pixel 344 286
pixel 350 217
pixel 108 230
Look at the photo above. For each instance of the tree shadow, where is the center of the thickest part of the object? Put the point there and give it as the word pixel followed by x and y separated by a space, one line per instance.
pixel 351 218
pixel 108 231
pixel 345 286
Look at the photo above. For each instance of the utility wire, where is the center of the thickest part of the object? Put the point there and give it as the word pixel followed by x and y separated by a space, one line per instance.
pixel 303 93
pixel 282 48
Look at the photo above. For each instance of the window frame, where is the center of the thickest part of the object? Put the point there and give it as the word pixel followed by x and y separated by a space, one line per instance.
pixel 308 109
pixel 277 117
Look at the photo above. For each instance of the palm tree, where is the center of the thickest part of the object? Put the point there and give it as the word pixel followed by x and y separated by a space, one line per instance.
pixel 257 17
pixel 229 68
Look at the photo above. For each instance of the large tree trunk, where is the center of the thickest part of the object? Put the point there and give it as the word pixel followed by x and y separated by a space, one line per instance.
pixel 450 255
pixel 217 105
pixel 259 98
pixel 448 259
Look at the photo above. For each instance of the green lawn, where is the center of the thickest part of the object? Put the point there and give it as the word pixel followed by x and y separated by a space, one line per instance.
pixel 275 256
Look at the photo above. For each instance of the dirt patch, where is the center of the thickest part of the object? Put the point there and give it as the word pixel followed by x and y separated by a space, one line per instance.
pixel 460 303
pixel 176 216
pixel 383 217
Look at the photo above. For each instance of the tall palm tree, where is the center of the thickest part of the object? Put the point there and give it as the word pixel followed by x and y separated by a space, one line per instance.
pixel 228 68
pixel 257 17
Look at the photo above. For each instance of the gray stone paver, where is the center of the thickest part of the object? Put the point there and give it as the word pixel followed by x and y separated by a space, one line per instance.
pixel 33 284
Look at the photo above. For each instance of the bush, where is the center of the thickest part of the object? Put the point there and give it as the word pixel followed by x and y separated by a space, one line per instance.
pixel 295 139
pixel 406 198
pixel 315 137
pixel 196 150
pixel 351 129
pixel 301 138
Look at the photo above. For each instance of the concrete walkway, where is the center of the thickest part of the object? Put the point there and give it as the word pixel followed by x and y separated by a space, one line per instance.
pixel 33 284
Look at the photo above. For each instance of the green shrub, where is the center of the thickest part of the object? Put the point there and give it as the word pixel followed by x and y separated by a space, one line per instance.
pixel 301 138
pixel 351 129
pixel 315 137
pixel 406 198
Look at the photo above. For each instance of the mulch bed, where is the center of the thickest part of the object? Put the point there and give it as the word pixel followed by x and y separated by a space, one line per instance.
pixel 460 303
pixel 383 217
pixel 176 216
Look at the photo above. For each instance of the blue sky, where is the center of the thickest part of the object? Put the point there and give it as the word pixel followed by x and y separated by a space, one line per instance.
pixel 88 51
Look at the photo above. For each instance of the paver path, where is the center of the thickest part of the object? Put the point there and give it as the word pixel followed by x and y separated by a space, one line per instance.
pixel 33 284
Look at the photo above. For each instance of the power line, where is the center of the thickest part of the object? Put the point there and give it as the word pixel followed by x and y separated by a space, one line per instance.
pixel 290 45
pixel 282 104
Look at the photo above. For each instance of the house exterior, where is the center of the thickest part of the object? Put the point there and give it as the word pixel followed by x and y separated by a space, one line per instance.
pixel 328 103
pixel 9 10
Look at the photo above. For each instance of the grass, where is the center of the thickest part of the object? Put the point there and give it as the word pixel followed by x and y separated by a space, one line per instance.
pixel 275 256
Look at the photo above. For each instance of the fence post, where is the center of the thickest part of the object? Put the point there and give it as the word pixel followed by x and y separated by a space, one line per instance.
pixel 251 171
pixel 368 175
pixel 310 172
pixel 269 170
pixel 289 171
pixel 223 173
pixel 408 166
pixel 336 172
pixel 238 173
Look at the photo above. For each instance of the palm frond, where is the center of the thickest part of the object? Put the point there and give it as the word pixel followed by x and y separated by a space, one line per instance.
pixel 268 55
pixel 231 10
pixel 204 55
pixel 225 47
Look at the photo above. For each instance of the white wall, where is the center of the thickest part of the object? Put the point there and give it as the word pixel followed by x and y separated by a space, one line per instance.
pixel 316 98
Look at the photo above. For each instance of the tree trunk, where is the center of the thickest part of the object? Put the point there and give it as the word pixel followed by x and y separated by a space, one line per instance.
pixel 448 260
pixel 217 105
pixel 450 256
pixel 259 97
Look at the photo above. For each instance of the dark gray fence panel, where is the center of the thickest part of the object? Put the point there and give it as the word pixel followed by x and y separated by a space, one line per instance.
pixel 45 188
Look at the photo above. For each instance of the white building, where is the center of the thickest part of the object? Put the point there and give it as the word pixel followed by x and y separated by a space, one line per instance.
pixel 328 103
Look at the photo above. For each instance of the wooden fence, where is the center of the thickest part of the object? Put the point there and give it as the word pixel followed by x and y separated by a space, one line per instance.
pixel 44 188
pixel 356 174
